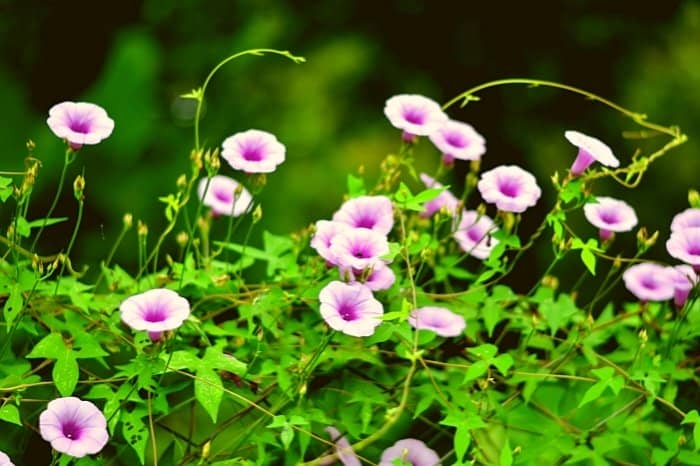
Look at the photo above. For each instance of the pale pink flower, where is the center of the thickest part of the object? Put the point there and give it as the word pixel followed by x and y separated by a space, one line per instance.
pixel 74 427
pixel 343 449
pixel 684 280
pixel 445 199
pixel 80 123
pixel 684 245
pixel 224 195
pixel 358 248
pixel 5 460
pixel 439 320
pixel 371 212
pixel 350 308
pixel 474 234
pixel 326 231
pixel 253 151
pixel 649 282
pixel 510 187
pixel 610 215
pixel 379 277
pixel 155 311
pixel 458 140
pixel 411 451
pixel 689 218
pixel 590 150
pixel 415 114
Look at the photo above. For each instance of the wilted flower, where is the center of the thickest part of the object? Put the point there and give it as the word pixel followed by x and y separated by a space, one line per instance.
pixel 326 230
pixel 439 320
pixel 253 151
pixel 590 150
pixel 224 195
pixel 689 218
pixel 510 187
pixel 80 123
pixel 414 114
pixel 649 282
pixel 372 212
pixel 5 460
pixel 458 140
pixel 445 199
pixel 684 279
pixel 474 234
pixel 358 248
pixel 610 215
pixel 73 426
pixel 684 245
pixel 345 453
pixel 411 451
pixel 155 311
pixel 350 308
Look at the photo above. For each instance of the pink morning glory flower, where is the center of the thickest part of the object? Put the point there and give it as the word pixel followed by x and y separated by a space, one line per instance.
pixel 358 248
pixel 350 308
pixel 253 151
pixel 689 218
pixel 510 187
pixel 649 282
pixel 80 123
pixel 414 114
pixel 224 195
pixel 5 460
pixel 411 451
pixel 380 277
pixel 439 320
pixel 457 140
pixel 326 231
pixel 684 245
pixel 345 453
pixel 155 311
pixel 684 280
pixel 610 215
pixel 73 426
pixel 445 199
pixel 474 234
pixel 590 150
pixel 372 212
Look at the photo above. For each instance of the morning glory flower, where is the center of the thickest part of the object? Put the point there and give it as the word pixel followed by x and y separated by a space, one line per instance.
pixel 684 245
pixel 350 308
pixel 372 212
pixel 345 453
pixel 155 311
pixel 510 187
pixel 414 114
pixel 474 234
pixel 380 277
pixel 649 282
pixel 411 451
pixel 590 150
pixel 224 195
pixel 253 151
pixel 5 460
pixel 358 248
pixel 445 199
pixel 684 280
pixel 326 230
pixel 689 218
pixel 610 215
pixel 73 426
pixel 80 123
pixel 439 320
pixel 457 140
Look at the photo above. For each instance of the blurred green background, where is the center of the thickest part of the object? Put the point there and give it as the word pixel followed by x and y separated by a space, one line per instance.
pixel 135 57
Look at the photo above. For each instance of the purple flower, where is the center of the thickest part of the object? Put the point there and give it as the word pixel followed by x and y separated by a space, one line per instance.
pixel 510 187
pixel 474 234
pixel 350 308
pixel 155 311
pixel 358 248
pixel 73 426
pixel 323 238
pixel 610 215
pixel 590 150
pixel 458 140
pixel 684 279
pixel 5 460
pixel 253 151
pixel 411 451
pixel 649 282
pixel 445 199
pixel 345 453
pixel 685 245
pixel 439 320
pixel 371 212
pixel 80 123
pixel 380 277
pixel 415 115
pixel 689 218
pixel 225 196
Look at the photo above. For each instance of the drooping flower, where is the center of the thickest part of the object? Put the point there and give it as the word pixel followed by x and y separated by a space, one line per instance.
pixel 590 150
pixel 684 245
pixel 73 426
pixel 155 311
pixel 224 195
pixel 358 248
pixel 350 308
pixel 411 451
pixel 439 320
pixel 649 282
pixel 80 123
pixel 380 277
pixel 445 199
pixel 5 460
pixel 510 187
pixel 371 212
pixel 684 279
pixel 415 114
pixel 326 230
pixel 345 453
pixel 610 215
pixel 689 218
pixel 253 151
pixel 458 140
pixel 474 234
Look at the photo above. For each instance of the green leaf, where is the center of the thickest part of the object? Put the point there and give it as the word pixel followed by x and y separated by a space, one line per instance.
pixel 181 359
pixel 135 431
pixel 594 392
pixel 356 185
pixel 65 373
pixel 49 347
pixel 486 351
pixel 492 313
pixel 23 227
pixel 461 441
pixel 603 373
pixel 5 188
pixel 588 259
pixel 209 391
pixel 286 436
pixel 86 346
pixel 279 420
pixel 572 190
pixel 49 221
pixel 476 370
pixel 214 358
pixel 694 418
pixel 13 306
pixel 503 362
pixel 506 458
pixel 10 413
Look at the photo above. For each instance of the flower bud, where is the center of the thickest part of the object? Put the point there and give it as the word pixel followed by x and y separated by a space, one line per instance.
pixel 127 220
pixel 182 238
pixel 257 213
pixel 196 158
pixel 141 229
pixel 475 166
pixel 644 241
pixel 181 182
pixel 30 145
pixel 78 187
pixel 212 163
pixel 694 199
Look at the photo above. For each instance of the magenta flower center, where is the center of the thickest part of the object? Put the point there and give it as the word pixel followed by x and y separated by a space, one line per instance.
pixel 347 312
pixel 253 153
pixel 649 283
pixel 365 222
pixel 509 187
pixel 414 115
pixel 475 234
pixel 361 251
pixel 79 125
pixel 457 140
pixel 71 430
pixel 223 195
pixel 154 314
pixel 609 217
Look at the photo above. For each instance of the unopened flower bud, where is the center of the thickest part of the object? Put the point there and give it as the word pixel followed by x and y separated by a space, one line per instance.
pixel 182 238
pixel 30 145
pixel 694 199
pixel 644 241
pixel 196 158
pixel 550 281
pixel 181 182
pixel 475 166
pixel 127 220
pixel 643 337
pixel 471 180
pixel 78 187
pixel 206 449
pixel 212 163
pixel 141 229
pixel 617 263
pixel 257 213
pixel 37 264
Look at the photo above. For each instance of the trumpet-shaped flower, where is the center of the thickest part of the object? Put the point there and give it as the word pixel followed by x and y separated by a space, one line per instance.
pixel 411 451
pixel 80 123
pixel 5 460
pixel 371 212
pixel 345 453
pixel 510 187
pixel 445 199
pixel 224 195
pixel 358 248
pixel 590 150
pixel 439 320
pixel 73 426
pixel 689 218
pixel 649 282
pixel 610 215
pixel 155 311
pixel 457 140
pixel 684 245
pixel 326 231
pixel 253 151
pixel 474 234
pixel 415 114
pixel 684 279
pixel 350 308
